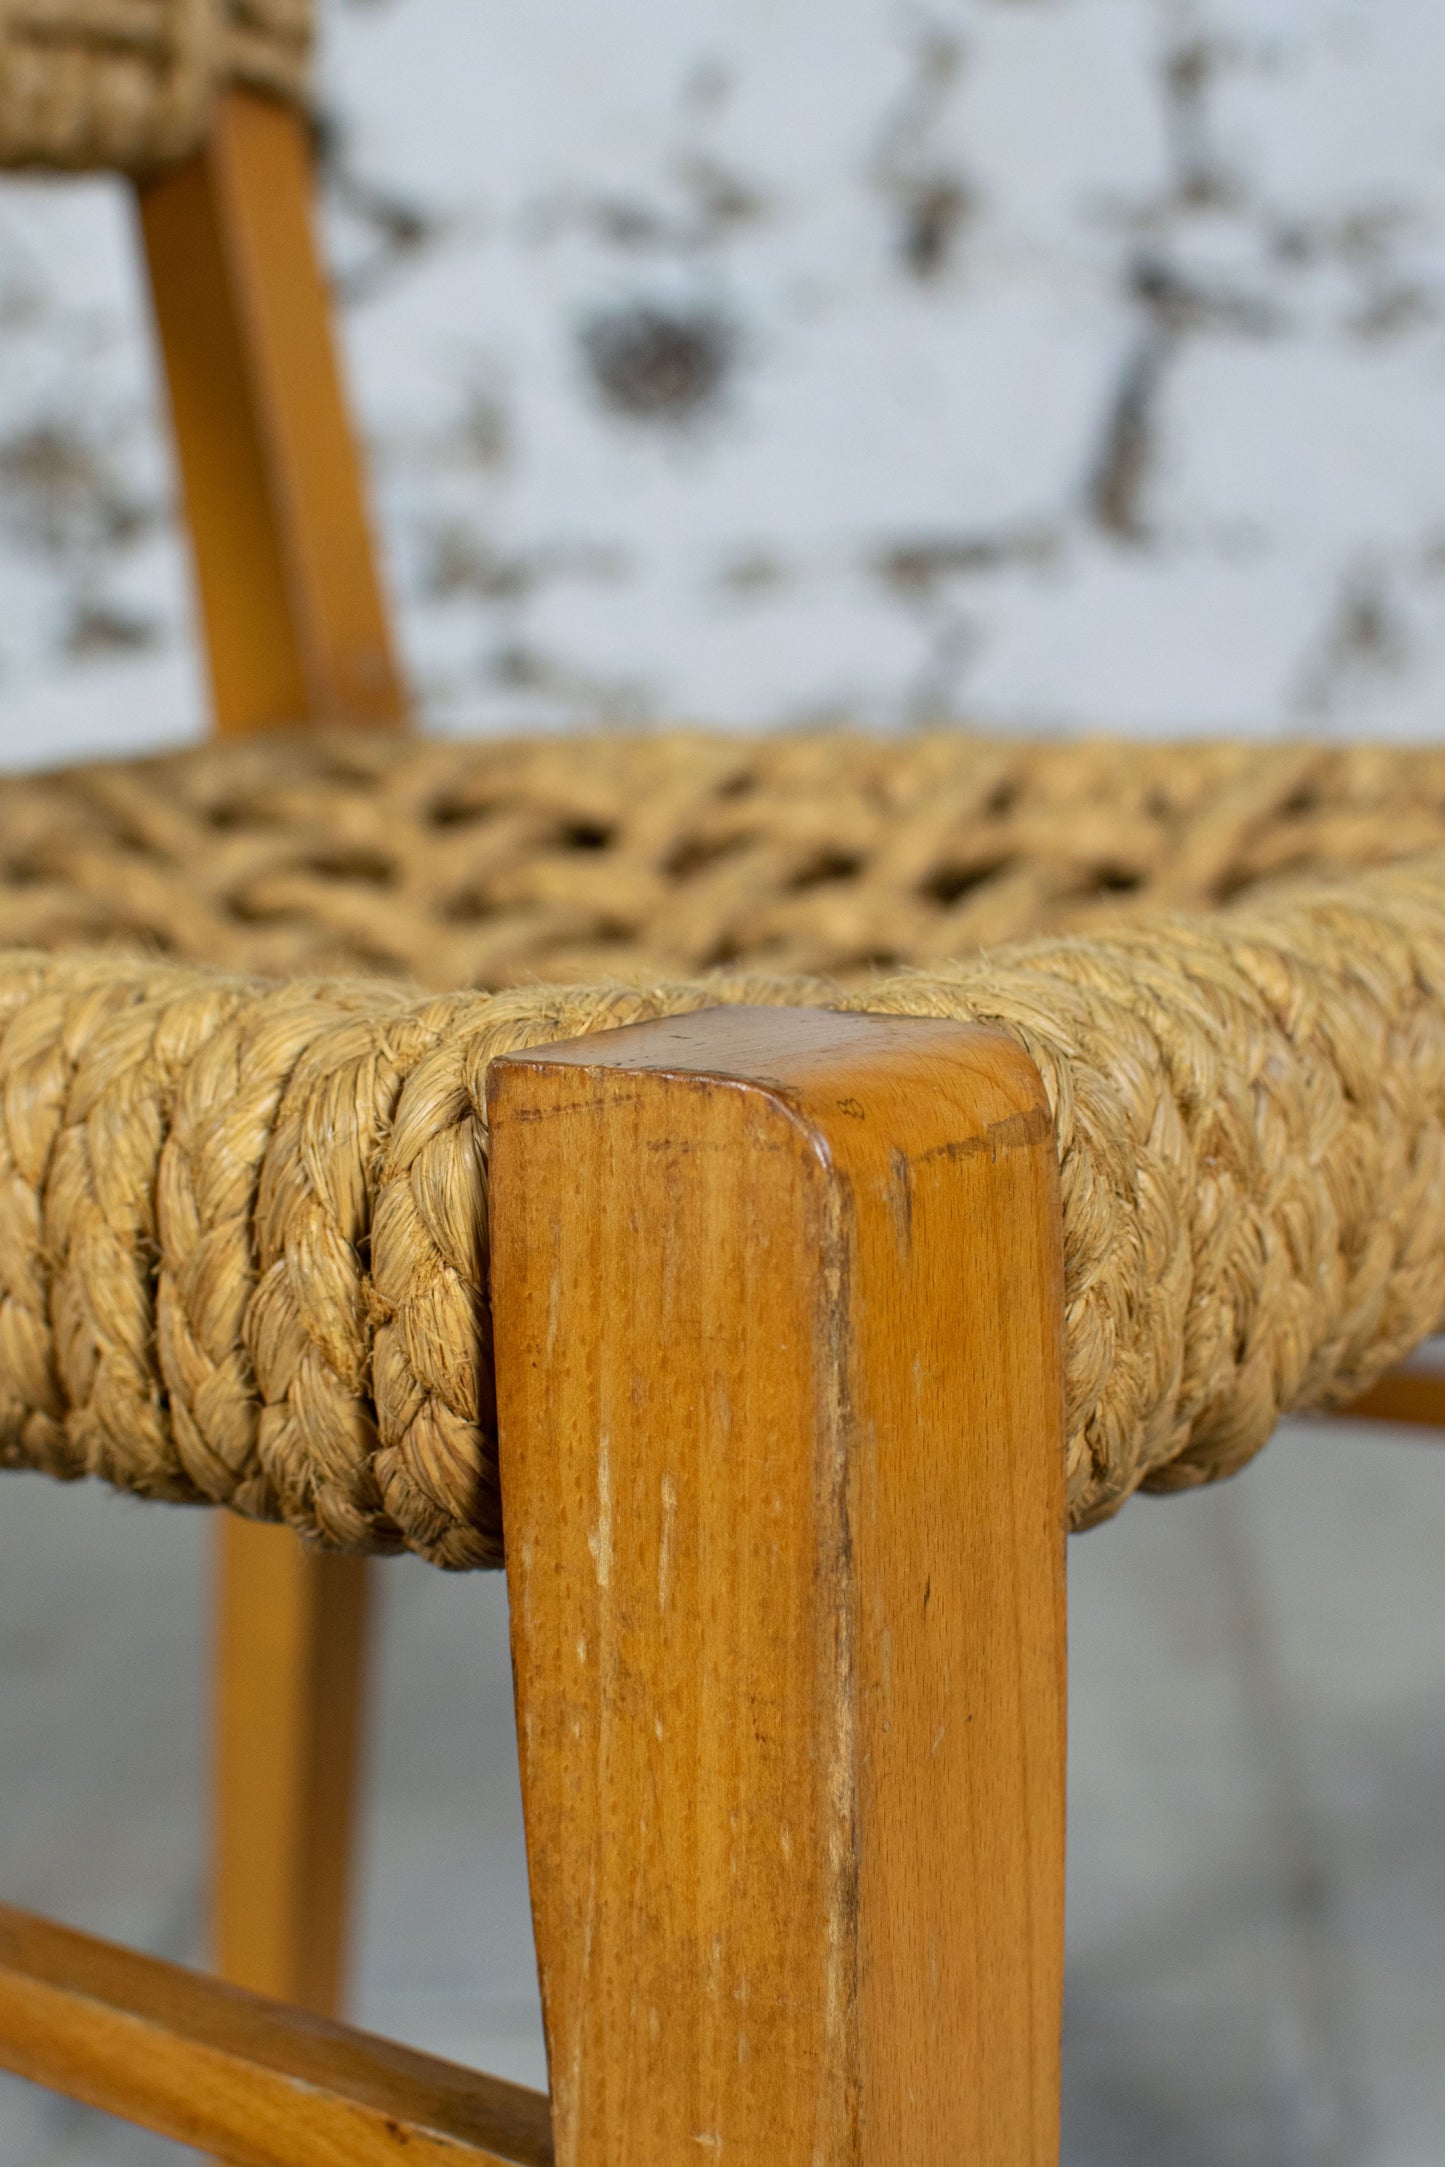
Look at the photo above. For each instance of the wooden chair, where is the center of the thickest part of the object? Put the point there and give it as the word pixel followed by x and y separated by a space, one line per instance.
pixel 790 1662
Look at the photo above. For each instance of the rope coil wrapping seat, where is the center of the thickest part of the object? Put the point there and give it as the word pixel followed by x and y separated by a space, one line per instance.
pixel 243 1225
pixel 129 83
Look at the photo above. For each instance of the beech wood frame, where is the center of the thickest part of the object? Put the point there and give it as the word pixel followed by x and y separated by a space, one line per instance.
pixel 779 1315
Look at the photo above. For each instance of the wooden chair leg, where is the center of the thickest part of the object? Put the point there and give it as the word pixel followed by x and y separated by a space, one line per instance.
pixel 295 632
pixel 290 1647
pixel 779 1319
pixel 1415 1397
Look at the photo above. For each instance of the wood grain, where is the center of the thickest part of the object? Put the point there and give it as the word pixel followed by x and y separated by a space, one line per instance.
pixel 1415 1397
pixel 779 1318
pixel 259 2085
pixel 290 1669
pixel 295 626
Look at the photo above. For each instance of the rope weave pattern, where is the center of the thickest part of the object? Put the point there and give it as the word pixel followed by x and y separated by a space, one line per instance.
pixel 243 1225
pixel 656 857
pixel 128 83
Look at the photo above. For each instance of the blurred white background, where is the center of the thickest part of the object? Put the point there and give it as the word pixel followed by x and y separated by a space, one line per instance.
pixel 1040 362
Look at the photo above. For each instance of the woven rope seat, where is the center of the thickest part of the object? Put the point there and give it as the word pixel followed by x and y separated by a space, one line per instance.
pixel 249 995
pixel 129 83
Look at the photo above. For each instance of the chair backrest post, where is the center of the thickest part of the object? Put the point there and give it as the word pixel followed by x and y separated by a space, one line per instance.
pixel 295 626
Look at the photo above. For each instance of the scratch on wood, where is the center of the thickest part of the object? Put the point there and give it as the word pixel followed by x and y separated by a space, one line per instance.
pixel 554 1303
pixel 664 1548
pixel 1015 1133
pixel 844 1866
pixel 900 1191
pixel 567 2093
pixel 599 1103
pixel 599 1542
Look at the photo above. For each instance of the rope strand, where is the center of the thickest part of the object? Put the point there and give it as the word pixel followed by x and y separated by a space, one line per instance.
pixel 245 1222
pixel 128 83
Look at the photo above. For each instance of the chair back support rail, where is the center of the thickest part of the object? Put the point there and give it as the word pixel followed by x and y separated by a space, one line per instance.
pixel 296 630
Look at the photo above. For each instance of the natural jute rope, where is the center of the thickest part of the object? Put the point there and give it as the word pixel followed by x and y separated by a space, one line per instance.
pixel 243 1226
pixel 128 83
pixel 585 859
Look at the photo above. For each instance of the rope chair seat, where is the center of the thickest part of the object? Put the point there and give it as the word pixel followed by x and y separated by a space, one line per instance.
pixel 249 995
pixel 130 83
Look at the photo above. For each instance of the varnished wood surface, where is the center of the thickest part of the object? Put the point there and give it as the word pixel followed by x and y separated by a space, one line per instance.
pixel 295 626
pixel 778 1321
pixel 260 2085
pixel 290 1668
pixel 1412 1396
